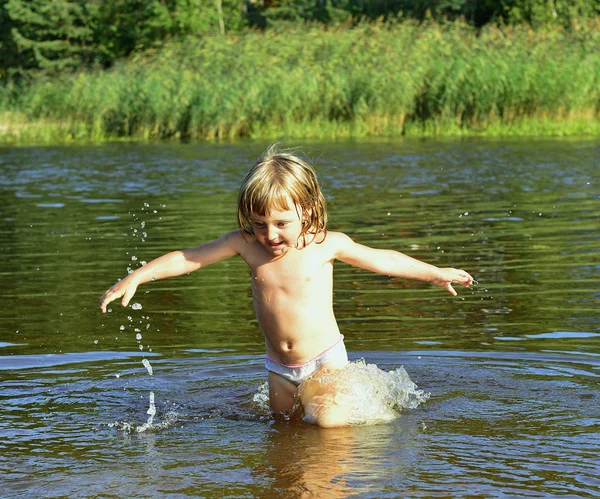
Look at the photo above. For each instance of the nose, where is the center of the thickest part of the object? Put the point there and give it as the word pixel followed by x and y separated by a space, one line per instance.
pixel 271 232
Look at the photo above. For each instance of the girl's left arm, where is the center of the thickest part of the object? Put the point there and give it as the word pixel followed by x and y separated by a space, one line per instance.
pixel 396 264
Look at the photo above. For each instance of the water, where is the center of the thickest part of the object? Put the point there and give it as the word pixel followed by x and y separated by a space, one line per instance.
pixel 167 397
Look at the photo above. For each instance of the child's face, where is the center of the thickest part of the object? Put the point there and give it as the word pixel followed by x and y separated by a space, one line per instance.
pixel 277 230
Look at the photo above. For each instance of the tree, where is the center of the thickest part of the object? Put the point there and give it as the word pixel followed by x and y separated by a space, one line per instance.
pixel 127 26
pixel 52 35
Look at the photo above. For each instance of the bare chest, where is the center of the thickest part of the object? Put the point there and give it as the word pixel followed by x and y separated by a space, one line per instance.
pixel 296 273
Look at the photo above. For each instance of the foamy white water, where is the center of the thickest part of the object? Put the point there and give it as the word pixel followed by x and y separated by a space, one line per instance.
pixel 377 396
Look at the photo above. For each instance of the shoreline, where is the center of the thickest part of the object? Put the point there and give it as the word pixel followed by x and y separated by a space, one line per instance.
pixel 21 132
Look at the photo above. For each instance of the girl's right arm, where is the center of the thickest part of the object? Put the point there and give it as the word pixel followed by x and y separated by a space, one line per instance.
pixel 173 264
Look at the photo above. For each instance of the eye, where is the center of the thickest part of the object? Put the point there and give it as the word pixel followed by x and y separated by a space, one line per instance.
pixel 282 224
pixel 260 225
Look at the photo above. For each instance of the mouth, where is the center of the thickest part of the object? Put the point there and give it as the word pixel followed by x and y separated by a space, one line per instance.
pixel 275 245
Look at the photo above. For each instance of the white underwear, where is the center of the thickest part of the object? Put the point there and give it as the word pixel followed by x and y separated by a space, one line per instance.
pixel 298 373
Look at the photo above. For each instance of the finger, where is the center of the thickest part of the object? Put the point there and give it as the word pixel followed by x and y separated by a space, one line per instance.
pixel 465 279
pixel 103 305
pixel 450 289
pixel 127 297
pixel 106 299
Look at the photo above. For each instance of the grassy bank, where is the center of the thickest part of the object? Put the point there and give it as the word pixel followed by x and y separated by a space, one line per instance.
pixel 372 80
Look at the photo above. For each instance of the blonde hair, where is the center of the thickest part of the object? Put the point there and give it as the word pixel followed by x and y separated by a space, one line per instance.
pixel 277 178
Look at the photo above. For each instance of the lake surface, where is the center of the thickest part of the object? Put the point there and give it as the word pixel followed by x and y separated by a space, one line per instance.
pixel 511 365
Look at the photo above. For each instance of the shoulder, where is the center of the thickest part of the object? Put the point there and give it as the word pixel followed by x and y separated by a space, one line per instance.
pixel 237 238
pixel 240 242
pixel 338 242
pixel 337 237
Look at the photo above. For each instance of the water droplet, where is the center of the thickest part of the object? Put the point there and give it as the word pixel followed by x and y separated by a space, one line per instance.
pixel 152 408
pixel 122 328
pixel 95 342
pixel 138 336
pixel 147 365
pixel 136 306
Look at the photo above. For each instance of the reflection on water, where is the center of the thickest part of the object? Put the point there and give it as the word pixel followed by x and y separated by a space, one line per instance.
pixel 512 364
pixel 305 461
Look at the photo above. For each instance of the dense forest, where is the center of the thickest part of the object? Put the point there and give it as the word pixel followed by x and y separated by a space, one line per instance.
pixel 371 67
pixel 57 35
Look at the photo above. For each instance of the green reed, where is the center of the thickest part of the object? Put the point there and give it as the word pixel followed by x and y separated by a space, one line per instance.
pixel 374 79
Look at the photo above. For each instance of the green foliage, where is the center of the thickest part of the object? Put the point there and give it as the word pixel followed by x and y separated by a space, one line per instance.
pixel 65 35
pixel 544 12
pixel 292 12
pixel 127 26
pixel 57 35
pixel 476 12
pixel 48 34
pixel 375 79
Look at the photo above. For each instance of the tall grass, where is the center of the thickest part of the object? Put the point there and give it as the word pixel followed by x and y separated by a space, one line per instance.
pixel 374 79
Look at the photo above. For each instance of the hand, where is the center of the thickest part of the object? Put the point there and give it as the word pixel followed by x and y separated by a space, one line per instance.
pixel 124 289
pixel 449 276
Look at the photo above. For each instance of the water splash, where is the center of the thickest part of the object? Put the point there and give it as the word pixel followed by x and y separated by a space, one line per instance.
pixel 371 394
pixel 260 399
pixel 169 420
pixel 151 413
pixel 147 365
pixel 377 396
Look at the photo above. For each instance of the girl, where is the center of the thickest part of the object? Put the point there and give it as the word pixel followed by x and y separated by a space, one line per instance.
pixel 282 237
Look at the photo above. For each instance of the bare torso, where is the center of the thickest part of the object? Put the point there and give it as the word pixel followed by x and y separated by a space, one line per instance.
pixel 293 299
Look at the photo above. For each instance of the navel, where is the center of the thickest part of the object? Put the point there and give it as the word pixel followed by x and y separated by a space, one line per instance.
pixel 289 345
